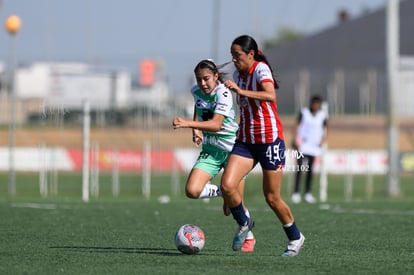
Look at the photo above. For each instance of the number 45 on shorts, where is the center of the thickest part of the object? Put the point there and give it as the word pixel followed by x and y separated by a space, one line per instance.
pixel 275 155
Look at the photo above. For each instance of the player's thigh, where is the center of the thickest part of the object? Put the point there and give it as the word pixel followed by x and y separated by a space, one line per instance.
pixel 236 169
pixel 208 165
pixel 197 179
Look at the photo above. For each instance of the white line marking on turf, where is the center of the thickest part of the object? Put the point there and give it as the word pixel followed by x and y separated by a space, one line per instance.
pixel 339 210
pixel 373 211
pixel 34 205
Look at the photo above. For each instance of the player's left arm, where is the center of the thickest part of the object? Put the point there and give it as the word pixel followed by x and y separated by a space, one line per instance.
pixel 325 132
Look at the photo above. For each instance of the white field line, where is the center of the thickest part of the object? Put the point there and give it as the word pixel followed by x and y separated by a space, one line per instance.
pixel 34 205
pixel 47 206
pixel 373 211
pixel 339 210
pixel 325 207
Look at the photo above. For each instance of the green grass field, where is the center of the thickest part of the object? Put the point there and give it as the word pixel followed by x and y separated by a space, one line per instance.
pixel 132 235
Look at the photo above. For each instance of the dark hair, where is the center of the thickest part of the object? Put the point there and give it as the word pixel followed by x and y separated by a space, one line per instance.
pixel 247 43
pixel 315 98
pixel 209 64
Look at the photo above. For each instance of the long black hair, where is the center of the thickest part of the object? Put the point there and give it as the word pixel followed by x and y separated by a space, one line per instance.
pixel 247 43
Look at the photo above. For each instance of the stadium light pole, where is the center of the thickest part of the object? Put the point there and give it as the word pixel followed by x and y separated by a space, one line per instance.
pixel 392 52
pixel 216 30
pixel 13 25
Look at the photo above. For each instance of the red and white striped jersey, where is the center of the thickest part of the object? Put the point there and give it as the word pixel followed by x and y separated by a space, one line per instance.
pixel 259 120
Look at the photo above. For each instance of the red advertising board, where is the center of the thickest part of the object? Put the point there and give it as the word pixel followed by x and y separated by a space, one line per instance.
pixel 126 160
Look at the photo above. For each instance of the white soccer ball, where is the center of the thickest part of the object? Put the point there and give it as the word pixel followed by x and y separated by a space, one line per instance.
pixel 189 239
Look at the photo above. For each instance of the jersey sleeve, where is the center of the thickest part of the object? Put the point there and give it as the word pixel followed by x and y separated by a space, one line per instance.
pixel 224 101
pixel 263 73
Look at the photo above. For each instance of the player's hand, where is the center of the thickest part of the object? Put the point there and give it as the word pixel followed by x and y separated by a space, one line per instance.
pixel 197 137
pixel 179 122
pixel 324 141
pixel 232 86
pixel 298 142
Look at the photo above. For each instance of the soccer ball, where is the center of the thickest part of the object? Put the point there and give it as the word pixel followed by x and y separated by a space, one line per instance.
pixel 189 239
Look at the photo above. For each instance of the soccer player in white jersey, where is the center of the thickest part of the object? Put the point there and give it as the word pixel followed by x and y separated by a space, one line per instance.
pixel 214 116
pixel 259 140
pixel 310 134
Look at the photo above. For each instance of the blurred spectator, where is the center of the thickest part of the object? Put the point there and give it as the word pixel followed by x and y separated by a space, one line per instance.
pixel 310 134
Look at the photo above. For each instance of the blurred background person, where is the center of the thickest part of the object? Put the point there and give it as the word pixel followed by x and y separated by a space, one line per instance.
pixel 310 133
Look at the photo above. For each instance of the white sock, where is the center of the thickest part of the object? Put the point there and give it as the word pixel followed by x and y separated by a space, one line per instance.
pixel 250 233
pixel 210 191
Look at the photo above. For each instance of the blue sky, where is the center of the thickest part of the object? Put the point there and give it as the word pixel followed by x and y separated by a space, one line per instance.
pixel 122 32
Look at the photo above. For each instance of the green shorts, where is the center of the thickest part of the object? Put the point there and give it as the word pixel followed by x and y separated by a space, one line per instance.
pixel 212 162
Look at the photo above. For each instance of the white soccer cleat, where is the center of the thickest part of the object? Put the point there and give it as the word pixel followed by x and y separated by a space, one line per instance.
pixel 309 198
pixel 296 198
pixel 294 247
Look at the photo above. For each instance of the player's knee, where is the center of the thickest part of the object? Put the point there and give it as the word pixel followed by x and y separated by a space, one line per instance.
pixel 274 201
pixel 192 193
pixel 227 187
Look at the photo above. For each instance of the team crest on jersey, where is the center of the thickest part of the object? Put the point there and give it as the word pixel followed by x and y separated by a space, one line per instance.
pixel 262 72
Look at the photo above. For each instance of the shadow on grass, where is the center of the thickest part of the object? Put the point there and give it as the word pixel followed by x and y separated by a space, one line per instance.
pixel 138 250
pixel 110 249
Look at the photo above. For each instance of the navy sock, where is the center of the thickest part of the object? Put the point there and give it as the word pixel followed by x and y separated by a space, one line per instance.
pixel 292 232
pixel 239 215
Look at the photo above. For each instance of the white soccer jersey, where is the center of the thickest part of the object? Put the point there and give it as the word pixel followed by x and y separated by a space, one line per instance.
pixel 220 101
pixel 310 131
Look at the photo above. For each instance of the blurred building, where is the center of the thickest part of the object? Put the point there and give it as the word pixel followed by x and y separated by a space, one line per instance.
pixel 346 64
pixel 68 85
pixel 52 89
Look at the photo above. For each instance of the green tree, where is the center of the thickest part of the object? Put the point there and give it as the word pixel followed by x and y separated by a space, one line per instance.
pixel 284 35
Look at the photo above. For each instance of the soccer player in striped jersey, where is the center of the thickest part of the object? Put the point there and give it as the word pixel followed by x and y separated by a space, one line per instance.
pixel 214 116
pixel 259 140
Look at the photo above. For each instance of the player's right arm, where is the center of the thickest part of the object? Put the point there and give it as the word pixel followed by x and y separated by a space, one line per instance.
pixel 212 125
pixel 197 134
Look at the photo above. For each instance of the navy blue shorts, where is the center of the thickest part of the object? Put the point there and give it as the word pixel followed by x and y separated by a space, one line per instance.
pixel 271 156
